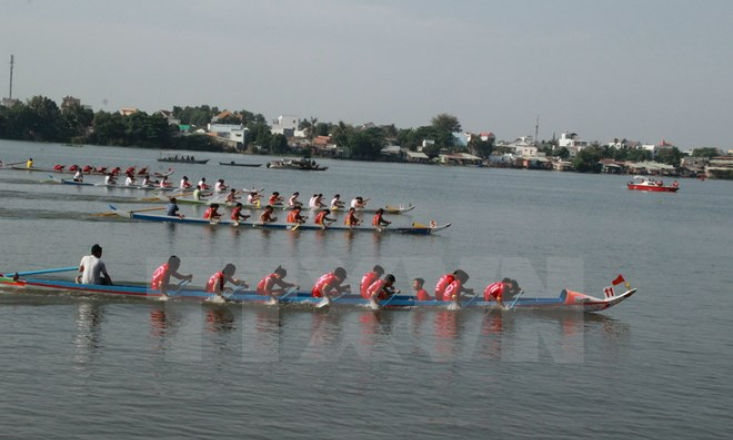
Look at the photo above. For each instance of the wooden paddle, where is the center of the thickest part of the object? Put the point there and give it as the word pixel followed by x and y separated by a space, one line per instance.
pixel 110 213
pixel 44 271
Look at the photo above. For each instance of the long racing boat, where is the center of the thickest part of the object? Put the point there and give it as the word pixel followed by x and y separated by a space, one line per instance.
pixel 415 229
pixel 568 300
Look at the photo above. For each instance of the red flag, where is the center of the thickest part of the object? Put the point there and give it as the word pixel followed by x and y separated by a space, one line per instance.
pixel 619 279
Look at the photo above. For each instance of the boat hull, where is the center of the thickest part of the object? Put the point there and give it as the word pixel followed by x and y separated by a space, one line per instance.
pixel 411 230
pixel 572 301
pixel 652 188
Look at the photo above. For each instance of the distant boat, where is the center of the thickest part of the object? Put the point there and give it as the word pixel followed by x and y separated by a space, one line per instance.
pixel 182 159
pixel 643 184
pixel 296 164
pixel 235 164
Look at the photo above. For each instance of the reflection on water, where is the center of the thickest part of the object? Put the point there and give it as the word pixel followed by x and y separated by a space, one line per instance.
pixel 220 320
pixel 89 317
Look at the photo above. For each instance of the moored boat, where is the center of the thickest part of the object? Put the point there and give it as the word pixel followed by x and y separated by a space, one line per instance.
pixel 641 183
pixel 415 229
pixel 296 164
pixel 567 300
pixel 235 164
pixel 183 159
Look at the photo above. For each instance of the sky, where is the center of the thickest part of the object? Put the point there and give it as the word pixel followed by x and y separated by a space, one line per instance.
pixel 644 70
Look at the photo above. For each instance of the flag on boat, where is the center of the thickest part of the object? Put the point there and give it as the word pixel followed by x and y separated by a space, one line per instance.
pixel 619 279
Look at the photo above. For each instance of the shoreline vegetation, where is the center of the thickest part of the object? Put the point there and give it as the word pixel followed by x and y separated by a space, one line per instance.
pixel 40 119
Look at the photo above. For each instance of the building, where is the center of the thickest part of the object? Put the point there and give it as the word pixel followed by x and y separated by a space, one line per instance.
pixel 233 135
pixel 168 115
pixel 572 143
pixel 286 125
pixel 127 111
pixel 68 102
pixel 655 149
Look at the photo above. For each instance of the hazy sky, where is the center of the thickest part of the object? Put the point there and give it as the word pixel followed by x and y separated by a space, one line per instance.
pixel 645 70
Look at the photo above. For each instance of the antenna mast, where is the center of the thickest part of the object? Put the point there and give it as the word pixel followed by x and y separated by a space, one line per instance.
pixel 536 131
pixel 12 64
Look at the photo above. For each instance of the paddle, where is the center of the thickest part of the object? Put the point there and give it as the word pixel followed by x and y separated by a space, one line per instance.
pixel 276 300
pixel 179 286
pixel 44 271
pixel 516 298
pixel 110 214
pixel 14 164
pixel 239 289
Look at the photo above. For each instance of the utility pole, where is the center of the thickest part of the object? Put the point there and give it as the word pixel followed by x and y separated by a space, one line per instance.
pixel 12 64
pixel 536 131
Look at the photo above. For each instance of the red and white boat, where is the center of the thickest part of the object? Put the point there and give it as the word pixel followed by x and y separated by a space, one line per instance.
pixel 644 184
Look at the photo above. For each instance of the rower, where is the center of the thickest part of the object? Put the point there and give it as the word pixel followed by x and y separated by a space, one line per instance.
pixel 266 216
pixel 273 285
pixel 506 288
pixel 369 278
pixel 220 186
pixel 312 204
pixel 232 196
pixel 164 183
pixel 331 284
pixel 162 276
pixel 212 212
pixel 319 201
pixel 198 194
pixel 358 203
pixel 254 198
pixel 378 221
pixel 237 215
pixel 336 202
pixel 146 181
pixel 172 208
pixel 275 199
pixel 450 286
pixel 420 293
pixel 217 281
pixel 293 200
pixel 322 218
pixel 382 289
pixel 185 184
pixel 351 219
pixel 129 180
pixel 93 269
pixel 109 179
pixel 294 216
pixel 78 176
pixel 202 183
pixel 130 170
pixel 29 163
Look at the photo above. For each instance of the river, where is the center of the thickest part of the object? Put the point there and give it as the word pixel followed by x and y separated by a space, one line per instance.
pixel 656 366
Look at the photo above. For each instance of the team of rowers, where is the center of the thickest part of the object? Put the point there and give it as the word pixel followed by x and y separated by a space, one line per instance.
pixel 295 208
pixel 375 285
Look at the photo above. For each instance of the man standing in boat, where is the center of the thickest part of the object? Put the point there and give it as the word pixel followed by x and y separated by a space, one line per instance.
pixel 162 276
pixel 93 269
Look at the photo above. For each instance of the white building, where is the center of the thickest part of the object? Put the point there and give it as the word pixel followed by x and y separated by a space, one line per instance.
pixel 286 125
pixel 654 149
pixel 572 143
pixel 234 134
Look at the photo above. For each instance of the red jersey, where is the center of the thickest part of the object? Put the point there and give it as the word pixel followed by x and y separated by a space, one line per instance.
pixel 293 217
pixel 377 287
pixel 366 281
pixel 351 220
pixel 320 216
pixel 264 287
pixel 236 212
pixel 422 295
pixel 210 213
pixel 443 283
pixel 494 291
pixel 453 289
pixel 215 280
pixel 377 220
pixel 158 276
pixel 324 283
pixel 274 200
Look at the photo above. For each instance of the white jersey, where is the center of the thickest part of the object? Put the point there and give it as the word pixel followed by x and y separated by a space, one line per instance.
pixel 293 201
pixel 219 187
pixel 252 198
pixel 336 202
pixel 184 184
pixel 313 202
pixel 78 175
pixel 129 181
pixel 93 268
pixel 202 184
pixel 354 203
pixel 109 180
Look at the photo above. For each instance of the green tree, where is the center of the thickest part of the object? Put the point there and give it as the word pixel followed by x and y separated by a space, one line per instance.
pixel 481 147
pixel 562 152
pixel 669 156
pixel 279 144
pixel 366 144
pixel 588 160
pixel 705 152
pixel 446 123
pixel 78 119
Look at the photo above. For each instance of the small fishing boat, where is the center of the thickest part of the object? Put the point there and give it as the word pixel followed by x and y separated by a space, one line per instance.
pixel 568 300
pixel 235 164
pixel 641 183
pixel 415 229
pixel 296 164
pixel 183 159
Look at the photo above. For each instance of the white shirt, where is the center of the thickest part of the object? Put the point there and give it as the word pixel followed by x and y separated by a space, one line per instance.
pixel 78 175
pixel 109 180
pixel 93 268
pixel 293 200
pixel 354 203
pixel 184 184
pixel 129 181
pixel 336 201
pixel 219 187
pixel 313 202
pixel 252 198
pixel 202 184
